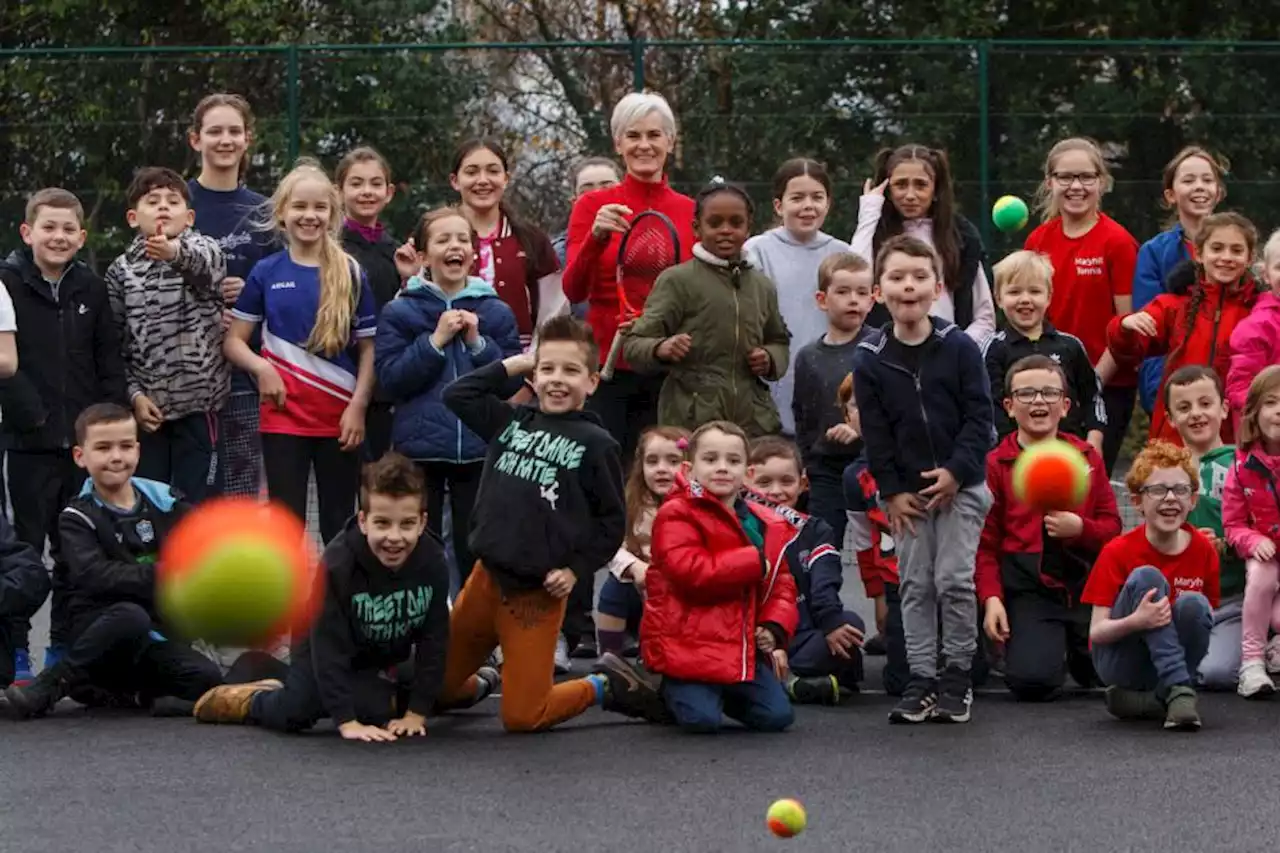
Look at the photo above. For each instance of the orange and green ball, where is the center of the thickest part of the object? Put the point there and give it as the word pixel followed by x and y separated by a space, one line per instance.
pixel 786 818
pixel 1009 213
pixel 234 572
pixel 1051 476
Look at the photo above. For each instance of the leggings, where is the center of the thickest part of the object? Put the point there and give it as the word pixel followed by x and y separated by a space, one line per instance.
pixel 290 460
pixel 1261 610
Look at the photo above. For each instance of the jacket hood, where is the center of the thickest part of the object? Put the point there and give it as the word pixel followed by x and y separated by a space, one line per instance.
pixel 1221 455
pixel 1257 459
pixel 161 495
pixel 475 288
pixel 1008 450
pixel 1267 301
pixel 22 262
pixel 364 559
pixel 816 243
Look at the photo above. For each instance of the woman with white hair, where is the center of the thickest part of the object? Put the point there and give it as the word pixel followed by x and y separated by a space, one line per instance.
pixel 644 132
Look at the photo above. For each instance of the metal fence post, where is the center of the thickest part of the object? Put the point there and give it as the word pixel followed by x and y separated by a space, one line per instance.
pixel 984 138
pixel 294 130
pixel 637 63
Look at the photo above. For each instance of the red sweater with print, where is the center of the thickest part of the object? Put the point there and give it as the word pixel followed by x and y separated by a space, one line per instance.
pixel 1194 570
pixel 591 266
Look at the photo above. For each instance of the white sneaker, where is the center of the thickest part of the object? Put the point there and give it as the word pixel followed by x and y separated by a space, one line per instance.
pixel 1254 681
pixel 563 666
pixel 1273 655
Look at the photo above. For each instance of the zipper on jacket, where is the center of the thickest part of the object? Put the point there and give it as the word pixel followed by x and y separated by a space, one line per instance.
pixel 924 414
pixel 737 334
pixel 62 379
pixel 1217 319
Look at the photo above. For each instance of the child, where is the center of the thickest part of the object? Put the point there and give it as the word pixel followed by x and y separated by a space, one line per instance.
pixel 1255 342
pixel 922 204
pixel 587 175
pixel 827 443
pixel 1194 321
pixel 549 513
pixel 1024 288
pixel 660 454
pixel 1251 519
pixel 1195 406
pixel 925 407
pixel 166 294
pixel 792 255
pixel 721 608
pixel 513 256
pixel 825 653
pixel 1031 565
pixel 440 328
pixel 24 585
pixel 111 536
pixel 222 132
pixel 68 358
pixel 315 373
pixel 1194 184
pixel 1152 592
pixel 1093 259
pixel 374 659
pixel 715 369
pixel 873 544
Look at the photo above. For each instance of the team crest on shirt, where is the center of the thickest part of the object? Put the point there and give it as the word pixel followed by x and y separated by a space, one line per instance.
pixel 146 532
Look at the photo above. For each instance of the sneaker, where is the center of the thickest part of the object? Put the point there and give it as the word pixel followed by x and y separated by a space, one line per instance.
pixel 955 697
pixel 1273 655
pixel 875 647
pixel 489 681
pixel 631 649
pixel 917 703
pixel 563 667
pixel 823 690
pixel 1254 681
pixel 52 655
pixel 22 674
pixel 630 693
pixel 586 650
pixel 39 697
pixel 230 703
pixel 1125 704
pixel 1180 710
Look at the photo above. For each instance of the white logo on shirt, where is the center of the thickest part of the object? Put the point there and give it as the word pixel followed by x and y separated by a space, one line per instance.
pixel 1055 358
pixel 82 310
pixel 1090 266
pixel 283 285
pixel 551 494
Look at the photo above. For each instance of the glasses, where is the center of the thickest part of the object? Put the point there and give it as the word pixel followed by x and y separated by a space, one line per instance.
pixel 1160 492
pixel 1066 179
pixel 1028 395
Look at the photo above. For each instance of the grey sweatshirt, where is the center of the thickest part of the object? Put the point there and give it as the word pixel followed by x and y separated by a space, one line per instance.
pixel 793 266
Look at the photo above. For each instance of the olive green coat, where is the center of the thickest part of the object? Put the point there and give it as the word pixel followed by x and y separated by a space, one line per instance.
pixel 726 319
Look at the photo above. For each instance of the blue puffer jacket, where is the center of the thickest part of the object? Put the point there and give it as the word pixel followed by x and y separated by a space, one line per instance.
pixel 414 374
pixel 1156 258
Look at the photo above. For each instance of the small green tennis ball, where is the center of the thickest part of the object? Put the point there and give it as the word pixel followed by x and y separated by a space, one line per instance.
pixel 786 818
pixel 1051 476
pixel 1009 213
pixel 234 595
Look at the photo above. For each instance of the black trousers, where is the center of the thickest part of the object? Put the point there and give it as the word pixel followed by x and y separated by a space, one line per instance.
pixel 289 461
pixel 627 404
pixel 1119 406
pixel 1047 640
pixel 462 482
pixel 377 431
pixel 40 485
pixel 181 453
pixel 117 649
pixel 379 698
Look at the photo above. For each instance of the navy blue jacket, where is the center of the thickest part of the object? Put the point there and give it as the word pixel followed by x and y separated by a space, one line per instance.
pixel 940 417
pixel 815 565
pixel 24 582
pixel 1156 259
pixel 413 373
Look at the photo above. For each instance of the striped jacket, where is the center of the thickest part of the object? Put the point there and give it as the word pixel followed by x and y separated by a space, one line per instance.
pixel 169 315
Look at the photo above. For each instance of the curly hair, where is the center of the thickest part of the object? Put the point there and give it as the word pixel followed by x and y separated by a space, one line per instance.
pixel 1159 454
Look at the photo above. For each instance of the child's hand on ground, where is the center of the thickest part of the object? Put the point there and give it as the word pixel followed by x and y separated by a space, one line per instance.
pixel 842 434
pixel 450 323
pixel 409 725
pixel 1142 323
pixel 764 640
pixel 351 427
pixel 160 247
pixel 1264 550
pixel 149 416
pixel 1151 614
pixel 781 666
pixel 901 509
pixel 356 730
pixel 520 365
pixel 270 385
pixel 942 491
pixel 674 348
pixel 407 262
pixel 1063 525
pixel 842 640
pixel 559 582
pixel 760 361
pixel 995 622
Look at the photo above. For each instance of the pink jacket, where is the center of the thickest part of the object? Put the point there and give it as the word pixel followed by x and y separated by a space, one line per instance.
pixel 1250 503
pixel 1255 344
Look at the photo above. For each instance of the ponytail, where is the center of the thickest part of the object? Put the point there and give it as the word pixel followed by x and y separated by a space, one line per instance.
pixel 332 330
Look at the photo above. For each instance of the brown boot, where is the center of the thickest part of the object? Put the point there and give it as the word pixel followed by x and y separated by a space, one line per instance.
pixel 230 703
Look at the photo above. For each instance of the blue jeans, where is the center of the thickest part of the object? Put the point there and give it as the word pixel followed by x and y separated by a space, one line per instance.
pixel 622 601
pixel 1161 658
pixel 760 704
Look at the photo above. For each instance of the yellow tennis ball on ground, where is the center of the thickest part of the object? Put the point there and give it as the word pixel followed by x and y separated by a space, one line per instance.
pixel 1009 213
pixel 1051 476
pixel 786 818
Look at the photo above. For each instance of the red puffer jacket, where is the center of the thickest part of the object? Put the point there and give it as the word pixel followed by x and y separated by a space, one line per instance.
pixel 708 588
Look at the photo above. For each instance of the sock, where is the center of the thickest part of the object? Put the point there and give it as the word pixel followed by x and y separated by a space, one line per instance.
pixel 598 683
pixel 611 641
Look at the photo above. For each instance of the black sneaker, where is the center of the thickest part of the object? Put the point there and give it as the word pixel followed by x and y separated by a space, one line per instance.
pixel 39 697
pixel 823 690
pixel 917 703
pixel 628 692
pixel 875 647
pixel 955 697
pixel 586 650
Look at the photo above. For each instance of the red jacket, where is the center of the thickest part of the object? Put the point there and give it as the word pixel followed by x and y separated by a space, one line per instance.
pixel 1209 341
pixel 591 267
pixel 1012 555
pixel 708 588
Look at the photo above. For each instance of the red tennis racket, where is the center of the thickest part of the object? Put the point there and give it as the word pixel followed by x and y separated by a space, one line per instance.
pixel 649 246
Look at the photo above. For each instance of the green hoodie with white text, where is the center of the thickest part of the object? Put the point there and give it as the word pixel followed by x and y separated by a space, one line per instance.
pixel 1214 466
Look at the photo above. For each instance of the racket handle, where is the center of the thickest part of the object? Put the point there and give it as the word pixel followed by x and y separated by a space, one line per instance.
pixel 615 350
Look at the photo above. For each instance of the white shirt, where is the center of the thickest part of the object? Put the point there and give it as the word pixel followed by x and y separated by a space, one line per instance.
pixel 8 317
